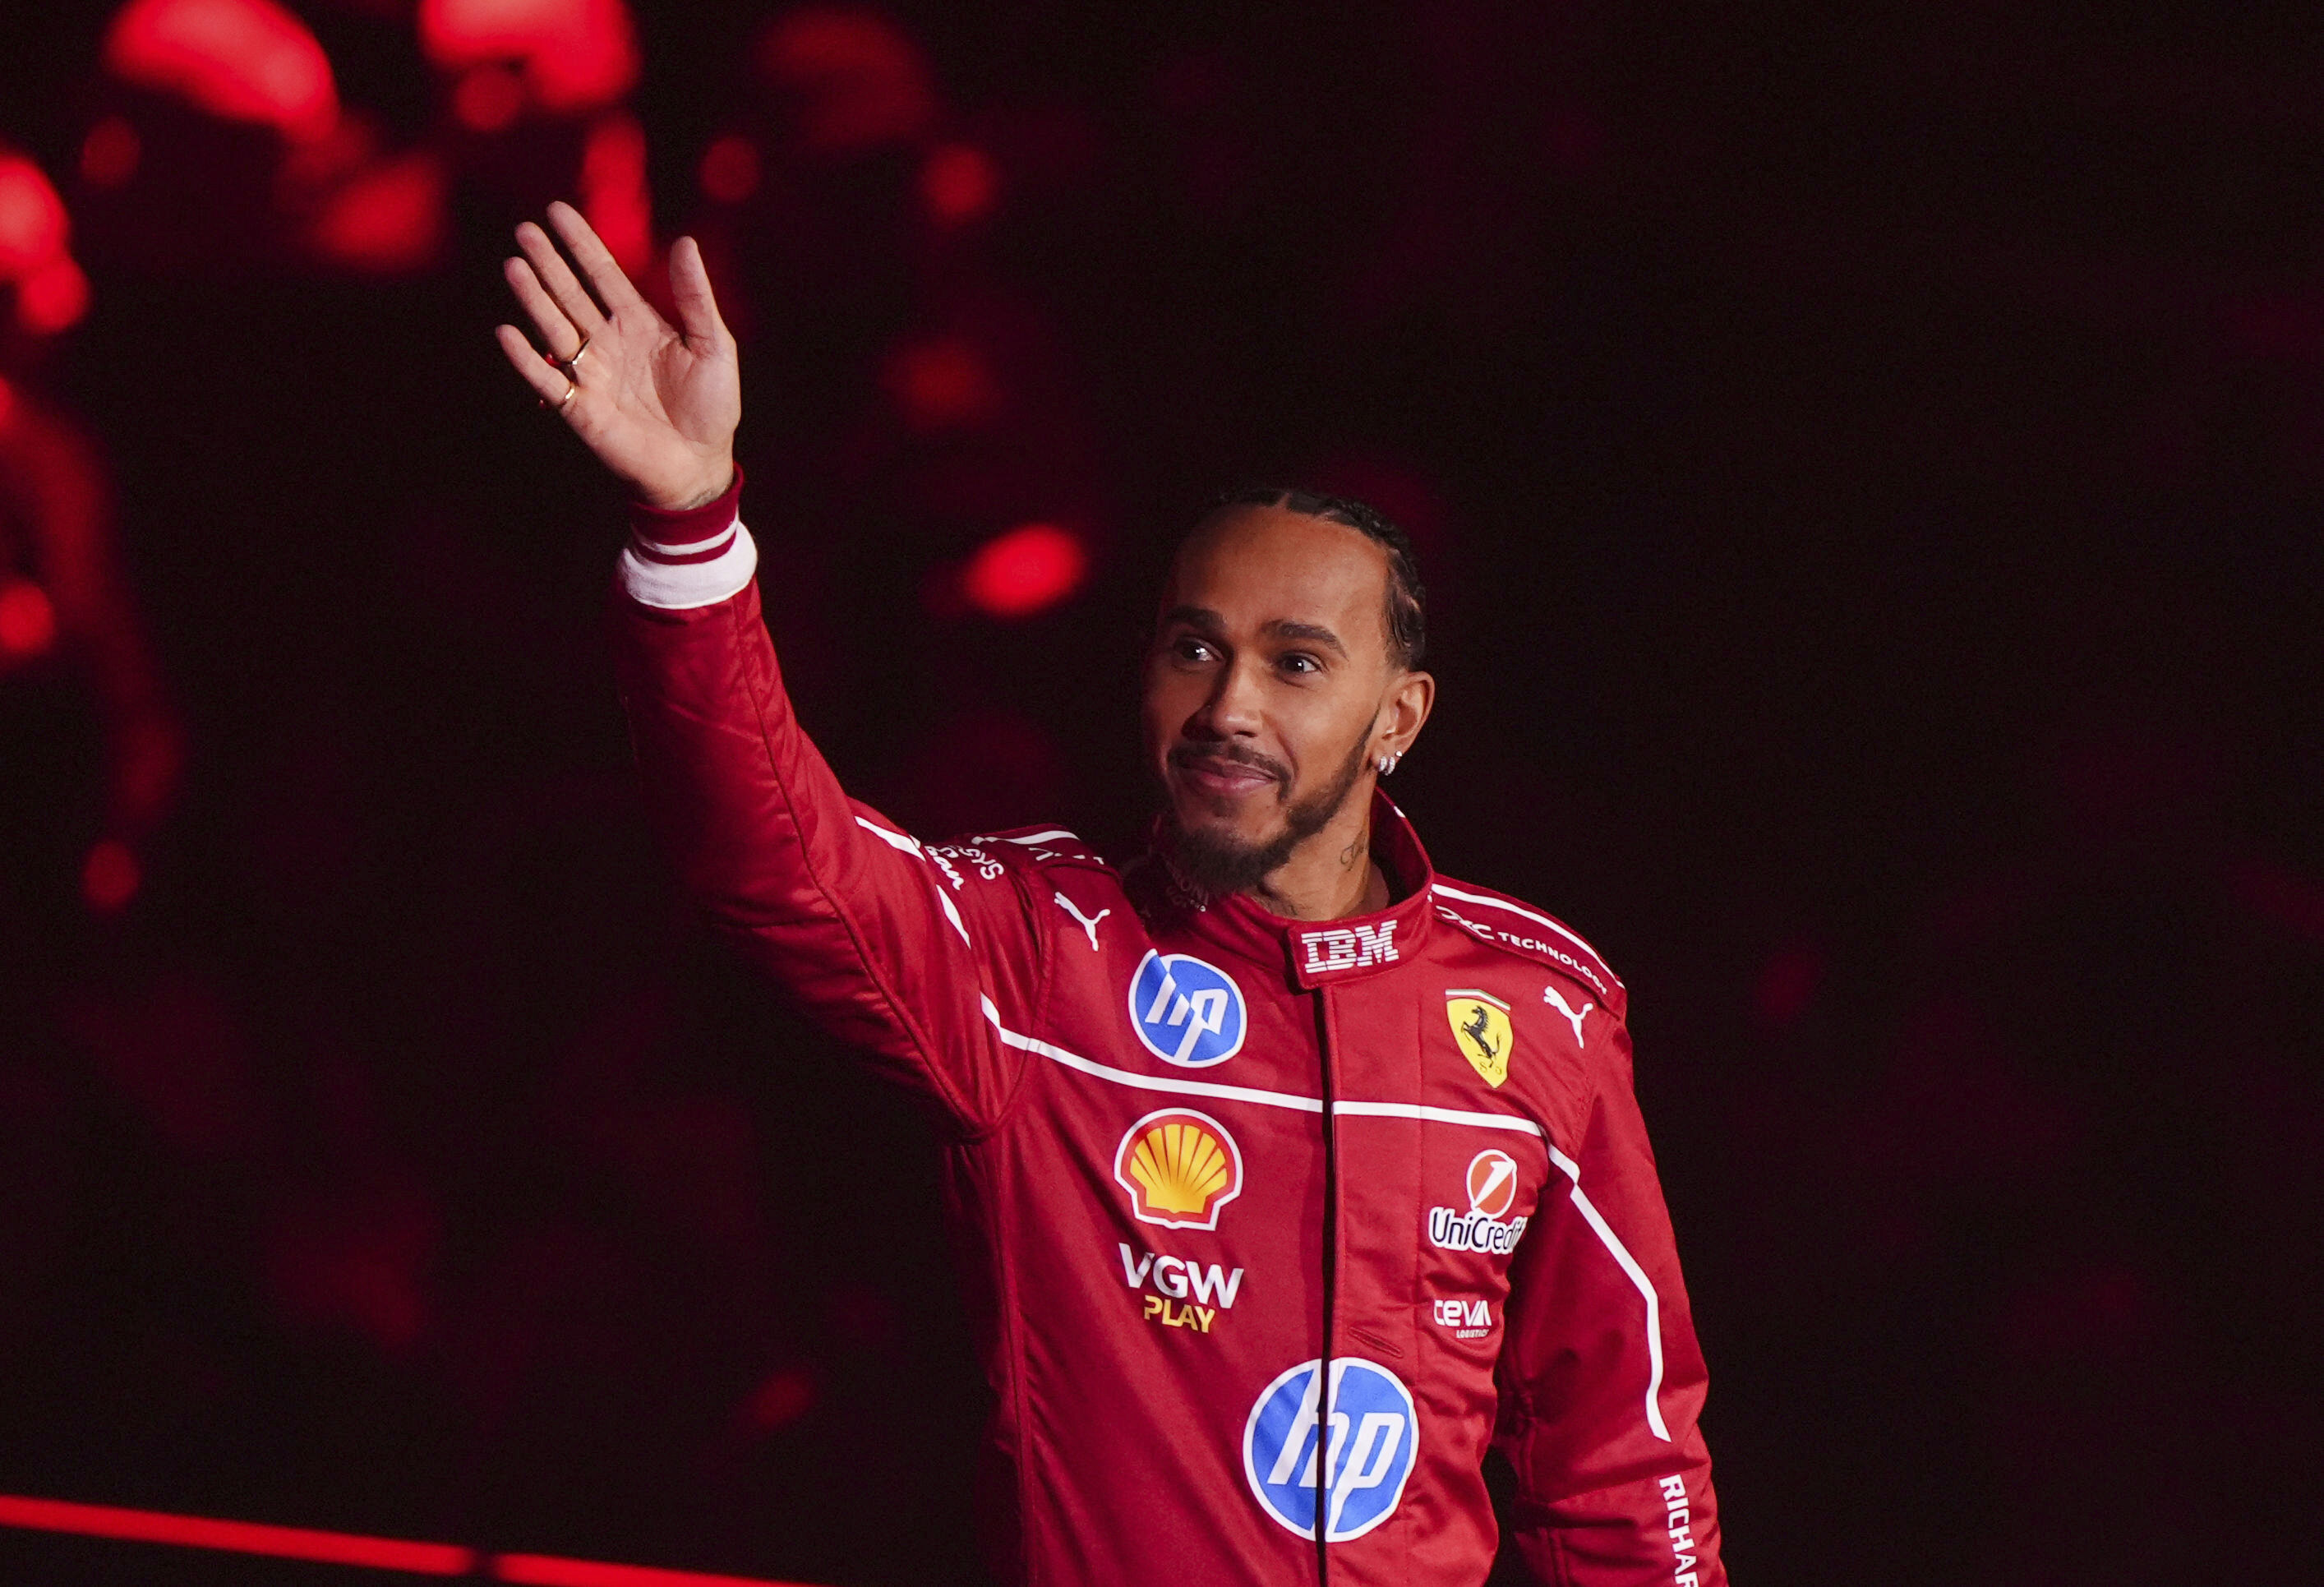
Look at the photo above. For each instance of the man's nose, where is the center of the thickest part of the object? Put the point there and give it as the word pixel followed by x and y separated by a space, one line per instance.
pixel 1233 710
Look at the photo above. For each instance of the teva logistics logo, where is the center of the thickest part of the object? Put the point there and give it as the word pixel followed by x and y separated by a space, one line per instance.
pixel 1187 1011
pixel 1180 1167
pixel 1361 1466
pixel 1492 1186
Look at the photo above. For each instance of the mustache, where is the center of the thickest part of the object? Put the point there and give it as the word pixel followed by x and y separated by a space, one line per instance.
pixel 1231 754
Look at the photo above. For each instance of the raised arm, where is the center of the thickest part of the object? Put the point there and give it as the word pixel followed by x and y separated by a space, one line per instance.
pixel 908 956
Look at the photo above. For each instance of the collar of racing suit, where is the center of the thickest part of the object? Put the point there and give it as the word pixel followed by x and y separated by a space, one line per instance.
pixel 1319 952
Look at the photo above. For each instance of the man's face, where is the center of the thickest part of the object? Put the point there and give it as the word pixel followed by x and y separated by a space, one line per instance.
pixel 1268 673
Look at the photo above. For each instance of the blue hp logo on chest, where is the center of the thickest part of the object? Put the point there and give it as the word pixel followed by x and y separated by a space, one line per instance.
pixel 1359 1461
pixel 1187 1011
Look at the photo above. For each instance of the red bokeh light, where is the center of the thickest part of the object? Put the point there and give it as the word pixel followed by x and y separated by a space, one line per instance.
pixel 109 877
pixel 614 193
pixel 110 154
pixel 857 81
pixel 1024 571
pixel 243 60
pixel 729 169
pixel 575 54
pixel 32 222
pixel 52 296
pixel 959 183
pixel 1787 984
pixel 942 383
pixel 28 620
pixel 781 1398
pixel 488 98
pixel 388 219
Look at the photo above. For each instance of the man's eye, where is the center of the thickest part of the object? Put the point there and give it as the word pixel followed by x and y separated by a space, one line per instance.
pixel 1299 661
pixel 1188 649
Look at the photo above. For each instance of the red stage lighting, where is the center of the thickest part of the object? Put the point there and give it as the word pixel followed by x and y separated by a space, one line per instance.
pixel 243 60
pixel 109 877
pixel 942 383
pixel 345 1548
pixel 28 621
pixel 1025 571
pixel 958 183
pixel 614 193
pixel 32 222
pixel 575 54
pixel 729 169
pixel 110 154
pixel 387 219
pixel 488 98
pixel 857 80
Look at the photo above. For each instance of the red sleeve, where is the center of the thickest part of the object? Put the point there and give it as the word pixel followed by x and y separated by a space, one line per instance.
pixel 907 958
pixel 1600 1376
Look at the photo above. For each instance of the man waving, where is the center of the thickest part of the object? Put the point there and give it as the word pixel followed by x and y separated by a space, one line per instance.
pixel 1298 1174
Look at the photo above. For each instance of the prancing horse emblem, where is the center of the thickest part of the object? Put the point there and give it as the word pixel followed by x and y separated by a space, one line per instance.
pixel 1480 1029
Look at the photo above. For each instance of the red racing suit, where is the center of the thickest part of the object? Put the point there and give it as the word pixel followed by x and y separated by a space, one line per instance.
pixel 1270 1216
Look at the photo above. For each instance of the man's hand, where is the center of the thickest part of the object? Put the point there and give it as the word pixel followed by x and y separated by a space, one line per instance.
pixel 657 404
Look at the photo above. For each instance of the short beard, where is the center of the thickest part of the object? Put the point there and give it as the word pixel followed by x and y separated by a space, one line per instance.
pixel 1216 864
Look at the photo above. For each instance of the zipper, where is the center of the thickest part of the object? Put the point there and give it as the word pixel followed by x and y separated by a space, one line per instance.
pixel 1331 1289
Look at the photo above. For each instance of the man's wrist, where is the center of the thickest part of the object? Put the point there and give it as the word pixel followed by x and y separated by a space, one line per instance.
pixel 703 518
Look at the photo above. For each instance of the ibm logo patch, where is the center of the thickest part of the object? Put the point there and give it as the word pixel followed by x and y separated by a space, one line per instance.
pixel 1350 947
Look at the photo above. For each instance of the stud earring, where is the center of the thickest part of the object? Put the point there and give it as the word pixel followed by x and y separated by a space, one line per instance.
pixel 1385 764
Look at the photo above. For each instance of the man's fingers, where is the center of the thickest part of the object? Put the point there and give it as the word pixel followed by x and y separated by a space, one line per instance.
pixel 564 288
pixel 558 333
pixel 689 288
pixel 596 260
pixel 547 383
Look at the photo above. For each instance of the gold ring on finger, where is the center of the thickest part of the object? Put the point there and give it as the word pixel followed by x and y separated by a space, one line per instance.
pixel 566 364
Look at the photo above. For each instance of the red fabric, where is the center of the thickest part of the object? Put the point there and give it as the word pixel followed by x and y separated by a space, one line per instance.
pixel 690 526
pixel 1132 1358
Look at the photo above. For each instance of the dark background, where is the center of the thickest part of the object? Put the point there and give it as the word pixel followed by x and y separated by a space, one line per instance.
pixel 1866 459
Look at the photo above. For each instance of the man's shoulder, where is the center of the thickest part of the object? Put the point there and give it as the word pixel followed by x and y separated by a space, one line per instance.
pixel 1516 926
pixel 1024 848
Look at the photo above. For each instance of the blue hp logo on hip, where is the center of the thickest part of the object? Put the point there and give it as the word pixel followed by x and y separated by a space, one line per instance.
pixel 1186 1011
pixel 1361 1467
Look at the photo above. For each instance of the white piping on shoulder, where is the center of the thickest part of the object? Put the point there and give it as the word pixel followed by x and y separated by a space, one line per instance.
pixel 896 840
pixel 680 586
pixel 1479 898
pixel 1041 837
pixel 1637 1276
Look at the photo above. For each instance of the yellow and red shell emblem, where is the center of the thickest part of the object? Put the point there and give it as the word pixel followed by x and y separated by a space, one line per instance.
pixel 1180 1167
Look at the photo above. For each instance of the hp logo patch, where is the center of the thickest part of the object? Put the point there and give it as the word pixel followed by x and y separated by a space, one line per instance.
pixel 1187 1011
pixel 1374 1442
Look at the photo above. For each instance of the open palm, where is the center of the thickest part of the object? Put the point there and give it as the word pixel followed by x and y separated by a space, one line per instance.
pixel 656 403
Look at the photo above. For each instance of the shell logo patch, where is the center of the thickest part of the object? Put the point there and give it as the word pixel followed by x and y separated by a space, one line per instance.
pixel 1180 1167
pixel 1480 1029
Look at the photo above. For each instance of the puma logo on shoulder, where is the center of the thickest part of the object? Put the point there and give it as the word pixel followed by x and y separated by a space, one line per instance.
pixel 1549 994
pixel 1087 922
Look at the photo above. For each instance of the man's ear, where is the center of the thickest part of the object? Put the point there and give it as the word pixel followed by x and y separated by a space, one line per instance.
pixel 1410 699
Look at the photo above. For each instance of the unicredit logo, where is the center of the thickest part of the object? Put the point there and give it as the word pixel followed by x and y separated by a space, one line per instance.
pixel 1487 1226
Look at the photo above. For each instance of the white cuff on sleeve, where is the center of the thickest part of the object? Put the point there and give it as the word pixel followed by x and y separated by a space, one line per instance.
pixel 648 578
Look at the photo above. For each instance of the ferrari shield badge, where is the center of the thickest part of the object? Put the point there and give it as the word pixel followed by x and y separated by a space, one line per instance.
pixel 1480 1029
